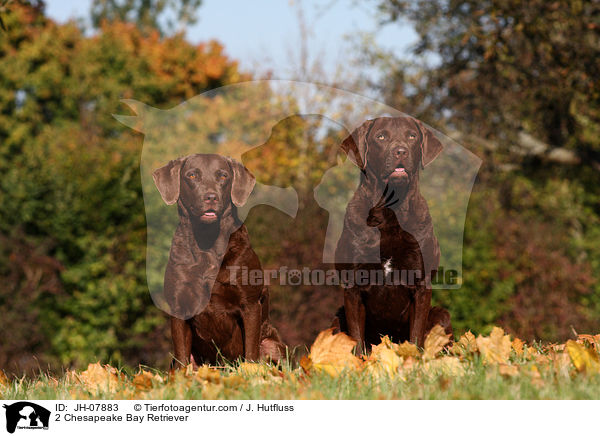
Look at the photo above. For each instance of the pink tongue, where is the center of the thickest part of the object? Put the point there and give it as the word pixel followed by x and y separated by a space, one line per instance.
pixel 209 214
pixel 399 170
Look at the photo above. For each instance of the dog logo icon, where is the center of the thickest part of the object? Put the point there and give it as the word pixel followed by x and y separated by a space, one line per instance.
pixel 26 415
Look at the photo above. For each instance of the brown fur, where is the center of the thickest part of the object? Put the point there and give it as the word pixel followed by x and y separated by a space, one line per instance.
pixel 389 202
pixel 213 314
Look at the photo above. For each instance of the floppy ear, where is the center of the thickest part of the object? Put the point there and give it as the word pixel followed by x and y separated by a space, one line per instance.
pixel 166 180
pixel 356 146
pixel 242 184
pixel 430 147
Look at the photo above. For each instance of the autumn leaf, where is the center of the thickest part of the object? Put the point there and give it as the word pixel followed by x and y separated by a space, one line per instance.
pixel 3 379
pixel 143 380
pixel 407 349
pixel 495 348
pixel 517 345
pixel 466 344
pixel 206 373
pixel 585 359
pixel 435 342
pixel 384 358
pixel 100 378
pixel 332 353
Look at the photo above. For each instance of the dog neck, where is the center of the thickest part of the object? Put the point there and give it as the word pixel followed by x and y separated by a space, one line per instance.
pixel 209 236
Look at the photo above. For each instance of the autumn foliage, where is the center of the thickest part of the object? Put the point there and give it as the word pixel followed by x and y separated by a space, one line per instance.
pixel 390 370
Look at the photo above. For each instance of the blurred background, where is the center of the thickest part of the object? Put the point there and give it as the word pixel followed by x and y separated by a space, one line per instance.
pixel 516 83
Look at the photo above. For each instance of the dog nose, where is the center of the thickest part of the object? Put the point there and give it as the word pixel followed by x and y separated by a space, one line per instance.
pixel 401 152
pixel 211 197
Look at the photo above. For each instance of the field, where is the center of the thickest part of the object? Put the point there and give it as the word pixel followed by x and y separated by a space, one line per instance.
pixel 493 367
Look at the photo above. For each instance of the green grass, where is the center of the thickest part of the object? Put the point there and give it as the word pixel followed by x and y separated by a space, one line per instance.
pixel 478 382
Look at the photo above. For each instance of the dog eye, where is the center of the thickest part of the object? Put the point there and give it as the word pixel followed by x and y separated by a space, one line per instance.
pixel 192 175
pixel 412 136
pixel 222 176
pixel 381 136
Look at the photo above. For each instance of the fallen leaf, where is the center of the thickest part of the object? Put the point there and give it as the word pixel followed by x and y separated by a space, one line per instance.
pixel 384 359
pixel 100 378
pixel 333 353
pixel 206 373
pixel 466 344
pixel 306 364
pixel 143 381
pixel 435 342
pixel 495 348
pixel 407 349
pixel 3 379
pixel 517 345
pixel 585 359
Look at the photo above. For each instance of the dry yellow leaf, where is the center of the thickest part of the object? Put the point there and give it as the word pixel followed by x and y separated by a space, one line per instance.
pixel 435 342
pixel 517 345
pixel 256 369
pixel 384 360
pixel 333 353
pixel 495 348
pixel 306 364
pixel 3 379
pixel 206 373
pixel 585 359
pixel 466 344
pixel 407 349
pixel 143 380
pixel 100 378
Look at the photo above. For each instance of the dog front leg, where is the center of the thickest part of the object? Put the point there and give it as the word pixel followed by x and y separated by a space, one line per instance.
pixel 251 318
pixel 354 309
pixel 181 333
pixel 419 313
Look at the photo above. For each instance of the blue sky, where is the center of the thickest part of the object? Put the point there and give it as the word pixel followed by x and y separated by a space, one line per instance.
pixel 263 35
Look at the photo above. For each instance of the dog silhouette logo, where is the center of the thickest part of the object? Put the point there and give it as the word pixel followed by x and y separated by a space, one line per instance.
pixel 26 415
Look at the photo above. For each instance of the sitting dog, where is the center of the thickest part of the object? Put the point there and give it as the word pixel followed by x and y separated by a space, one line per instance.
pixel 390 153
pixel 213 314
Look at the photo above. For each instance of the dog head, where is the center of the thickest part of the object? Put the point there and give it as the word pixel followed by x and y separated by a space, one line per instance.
pixel 393 150
pixel 205 184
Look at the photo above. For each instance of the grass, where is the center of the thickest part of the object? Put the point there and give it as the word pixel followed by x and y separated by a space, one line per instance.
pixel 479 382
pixel 473 368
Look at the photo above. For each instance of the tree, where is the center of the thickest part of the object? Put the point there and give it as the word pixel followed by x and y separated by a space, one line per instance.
pixel 501 67
pixel 162 15
pixel 72 223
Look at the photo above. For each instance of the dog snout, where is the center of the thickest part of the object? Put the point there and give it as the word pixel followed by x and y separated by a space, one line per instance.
pixel 211 197
pixel 401 152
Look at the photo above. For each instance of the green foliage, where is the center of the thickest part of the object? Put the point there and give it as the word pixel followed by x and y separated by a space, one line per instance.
pixel 495 70
pixel 162 15
pixel 70 180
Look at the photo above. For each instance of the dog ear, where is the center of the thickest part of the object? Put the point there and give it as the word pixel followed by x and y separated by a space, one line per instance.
pixel 431 147
pixel 242 184
pixel 166 180
pixel 356 145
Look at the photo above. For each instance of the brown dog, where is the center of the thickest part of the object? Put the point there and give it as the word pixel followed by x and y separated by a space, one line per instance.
pixel 390 153
pixel 211 313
